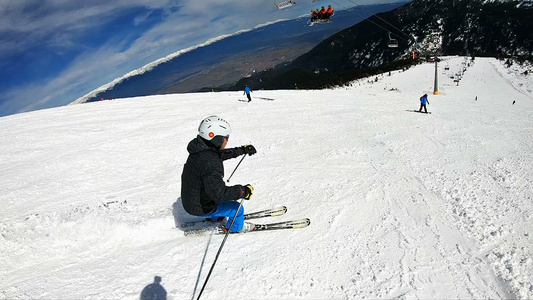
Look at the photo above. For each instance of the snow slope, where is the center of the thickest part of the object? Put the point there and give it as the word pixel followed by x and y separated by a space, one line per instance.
pixel 402 204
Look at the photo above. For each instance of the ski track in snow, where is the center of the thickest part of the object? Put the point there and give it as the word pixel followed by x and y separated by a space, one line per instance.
pixel 402 205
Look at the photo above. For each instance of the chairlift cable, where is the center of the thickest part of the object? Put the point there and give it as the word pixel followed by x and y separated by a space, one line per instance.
pixel 368 19
pixel 408 37
pixel 384 21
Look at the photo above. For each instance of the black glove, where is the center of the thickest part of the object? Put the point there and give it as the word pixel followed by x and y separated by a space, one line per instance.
pixel 247 191
pixel 249 149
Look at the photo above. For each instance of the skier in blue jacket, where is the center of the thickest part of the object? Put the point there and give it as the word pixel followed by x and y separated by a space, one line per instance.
pixel 247 91
pixel 423 101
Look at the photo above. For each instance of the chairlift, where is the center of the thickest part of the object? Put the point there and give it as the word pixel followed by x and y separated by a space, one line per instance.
pixel 284 4
pixel 318 21
pixel 311 22
pixel 393 43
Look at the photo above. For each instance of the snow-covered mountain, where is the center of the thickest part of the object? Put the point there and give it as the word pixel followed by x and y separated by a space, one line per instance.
pixel 402 204
pixel 430 27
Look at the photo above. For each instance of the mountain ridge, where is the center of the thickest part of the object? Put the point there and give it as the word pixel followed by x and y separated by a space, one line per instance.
pixel 431 27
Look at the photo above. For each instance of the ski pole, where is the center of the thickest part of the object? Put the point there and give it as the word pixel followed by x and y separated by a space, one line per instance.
pixel 201 266
pixel 236 168
pixel 220 249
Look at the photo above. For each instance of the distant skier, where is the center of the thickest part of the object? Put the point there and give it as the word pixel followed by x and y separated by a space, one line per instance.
pixel 247 91
pixel 514 101
pixel 203 191
pixel 423 101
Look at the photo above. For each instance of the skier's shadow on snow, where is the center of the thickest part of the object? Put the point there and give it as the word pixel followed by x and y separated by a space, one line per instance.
pixel 420 112
pixel 154 291
pixel 181 216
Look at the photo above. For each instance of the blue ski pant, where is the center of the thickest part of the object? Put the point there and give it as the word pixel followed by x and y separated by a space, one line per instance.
pixel 228 209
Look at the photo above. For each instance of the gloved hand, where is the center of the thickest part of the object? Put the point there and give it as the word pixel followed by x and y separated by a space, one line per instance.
pixel 248 190
pixel 249 149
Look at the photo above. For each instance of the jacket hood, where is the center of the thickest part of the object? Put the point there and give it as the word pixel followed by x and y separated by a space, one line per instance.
pixel 198 145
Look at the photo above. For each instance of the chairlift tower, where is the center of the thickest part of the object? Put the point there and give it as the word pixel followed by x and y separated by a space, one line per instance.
pixel 436 84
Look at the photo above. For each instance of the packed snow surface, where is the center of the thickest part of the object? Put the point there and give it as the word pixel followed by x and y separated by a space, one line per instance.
pixel 402 204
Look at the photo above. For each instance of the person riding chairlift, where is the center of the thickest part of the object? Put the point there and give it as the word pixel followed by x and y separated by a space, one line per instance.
pixel 322 13
pixel 329 12
pixel 314 14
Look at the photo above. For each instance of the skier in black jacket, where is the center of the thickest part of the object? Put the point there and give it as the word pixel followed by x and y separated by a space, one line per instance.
pixel 203 191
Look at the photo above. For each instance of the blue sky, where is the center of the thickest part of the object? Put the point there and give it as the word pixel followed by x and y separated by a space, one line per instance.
pixel 53 52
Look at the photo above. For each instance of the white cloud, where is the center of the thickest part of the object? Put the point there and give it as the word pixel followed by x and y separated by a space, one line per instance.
pixel 31 22
pixel 86 68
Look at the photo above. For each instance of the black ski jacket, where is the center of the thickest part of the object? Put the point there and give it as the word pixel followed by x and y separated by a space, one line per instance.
pixel 202 183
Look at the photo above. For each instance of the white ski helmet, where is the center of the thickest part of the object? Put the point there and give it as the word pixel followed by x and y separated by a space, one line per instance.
pixel 214 129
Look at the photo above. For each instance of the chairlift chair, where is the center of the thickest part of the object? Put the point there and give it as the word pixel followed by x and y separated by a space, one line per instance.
pixel 284 4
pixel 393 43
pixel 320 21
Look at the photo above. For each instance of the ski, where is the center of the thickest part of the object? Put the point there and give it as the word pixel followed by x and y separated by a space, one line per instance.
pixel 294 224
pixel 420 112
pixel 200 223
pixel 264 98
pixel 271 212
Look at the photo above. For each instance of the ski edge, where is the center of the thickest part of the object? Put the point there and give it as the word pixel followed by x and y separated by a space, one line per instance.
pixel 271 212
pixel 293 224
